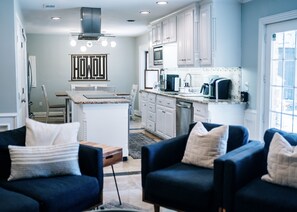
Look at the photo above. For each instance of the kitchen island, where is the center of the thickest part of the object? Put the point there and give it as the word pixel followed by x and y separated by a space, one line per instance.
pixel 103 117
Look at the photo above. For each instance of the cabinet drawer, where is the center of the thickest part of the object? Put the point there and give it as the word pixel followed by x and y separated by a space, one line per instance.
pixel 200 109
pixel 166 101
pixel 152 98
pixel 144 96
pixel 150 125
pixel 151 116
pixel 151 107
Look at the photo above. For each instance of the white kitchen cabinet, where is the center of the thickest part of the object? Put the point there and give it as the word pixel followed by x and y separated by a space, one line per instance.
pixel 166 117
pixel 156 34
pixel 144 108
pixel 187 38
pixel 151 113
pixel 169 30
pixel 219 33
pixel 219 113
pixel 205 46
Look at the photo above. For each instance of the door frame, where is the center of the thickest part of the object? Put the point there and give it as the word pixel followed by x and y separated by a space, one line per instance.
pixel 263 22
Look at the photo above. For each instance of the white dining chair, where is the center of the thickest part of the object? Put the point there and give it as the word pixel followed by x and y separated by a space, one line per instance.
pixel 132 97
pixel 53 111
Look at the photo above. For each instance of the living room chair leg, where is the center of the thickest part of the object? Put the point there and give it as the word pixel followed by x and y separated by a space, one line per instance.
pixel 116 184
pixel 156 208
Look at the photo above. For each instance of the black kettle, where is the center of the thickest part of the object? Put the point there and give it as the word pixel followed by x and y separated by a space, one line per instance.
pixel 205 89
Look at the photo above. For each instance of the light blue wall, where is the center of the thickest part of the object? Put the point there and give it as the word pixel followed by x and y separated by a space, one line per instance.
pixel 53 64
pixel 8 98
pixel 251 13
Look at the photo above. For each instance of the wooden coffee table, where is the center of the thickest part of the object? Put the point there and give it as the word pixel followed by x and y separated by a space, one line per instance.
pixel 111 156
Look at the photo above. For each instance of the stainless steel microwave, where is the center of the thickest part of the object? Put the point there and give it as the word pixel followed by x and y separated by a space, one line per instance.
pixel 158 55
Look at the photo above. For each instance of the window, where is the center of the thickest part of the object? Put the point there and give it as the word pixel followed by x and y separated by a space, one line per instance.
pixel 89 67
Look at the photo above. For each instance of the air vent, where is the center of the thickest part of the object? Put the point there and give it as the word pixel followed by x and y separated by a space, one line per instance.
pixel 90 23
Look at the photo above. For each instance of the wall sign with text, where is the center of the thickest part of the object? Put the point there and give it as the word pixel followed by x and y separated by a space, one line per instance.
pixel 89 67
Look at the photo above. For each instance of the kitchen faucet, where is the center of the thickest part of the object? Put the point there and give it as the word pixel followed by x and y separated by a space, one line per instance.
pixel 188 84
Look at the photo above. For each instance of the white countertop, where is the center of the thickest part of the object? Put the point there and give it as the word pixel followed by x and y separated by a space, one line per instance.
pixel 197 98
pixel 96 97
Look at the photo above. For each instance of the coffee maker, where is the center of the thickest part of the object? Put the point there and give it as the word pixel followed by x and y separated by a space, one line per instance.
pixel 216 88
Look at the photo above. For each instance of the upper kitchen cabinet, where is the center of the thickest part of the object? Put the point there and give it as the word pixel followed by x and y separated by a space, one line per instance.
pixel 169 30
pixel 219 33
pixel 187 37
pixel 156 34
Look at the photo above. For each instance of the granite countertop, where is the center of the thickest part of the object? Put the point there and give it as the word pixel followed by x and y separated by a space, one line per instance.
pixel 197 98
pixel 96 97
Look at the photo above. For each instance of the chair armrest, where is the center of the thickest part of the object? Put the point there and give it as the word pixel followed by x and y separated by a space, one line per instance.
pixel 162 154
pixel 219 165
pixel 241 168
pixel 91 162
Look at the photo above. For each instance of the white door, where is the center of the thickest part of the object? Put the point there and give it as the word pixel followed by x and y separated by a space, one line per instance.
pixel 21 66
pixel 280 105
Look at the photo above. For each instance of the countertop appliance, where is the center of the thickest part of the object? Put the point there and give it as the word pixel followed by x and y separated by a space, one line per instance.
pixel 216 88
pixel 169 82
pixel 158 56
pixel 184 117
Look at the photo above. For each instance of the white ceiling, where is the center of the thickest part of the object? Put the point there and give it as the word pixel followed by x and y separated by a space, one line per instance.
pixel 115 13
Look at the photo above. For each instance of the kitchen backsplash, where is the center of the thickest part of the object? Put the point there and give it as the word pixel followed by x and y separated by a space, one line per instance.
pixel 203 74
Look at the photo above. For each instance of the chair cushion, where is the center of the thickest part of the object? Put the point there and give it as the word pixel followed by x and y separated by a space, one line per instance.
pixel 204 146
pixel 282 162
pixel 10 137
pixel 261 196
pixel 12 201
pixel 42 134
pixel 62 193
pixel 43 161
pixel 193 192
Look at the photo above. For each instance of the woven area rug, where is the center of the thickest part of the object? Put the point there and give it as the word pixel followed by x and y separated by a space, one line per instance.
pixel 114 205
pixel 136 141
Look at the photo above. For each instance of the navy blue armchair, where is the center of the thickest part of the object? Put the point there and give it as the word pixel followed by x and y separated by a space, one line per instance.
pixel 168 182
pixel 244 190
pixel 56 193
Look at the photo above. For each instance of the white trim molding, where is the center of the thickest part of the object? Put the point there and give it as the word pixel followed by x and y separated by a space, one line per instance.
pixel 263 22
pixel 8 121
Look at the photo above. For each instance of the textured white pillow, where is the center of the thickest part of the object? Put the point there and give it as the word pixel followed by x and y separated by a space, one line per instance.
pixel 203 146
pixel 42 134
pixel 281 162
pixel 43 161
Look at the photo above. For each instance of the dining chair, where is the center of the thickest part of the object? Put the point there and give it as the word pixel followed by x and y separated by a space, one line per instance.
pixel 132 97
pixel 84 88
pixel 53 108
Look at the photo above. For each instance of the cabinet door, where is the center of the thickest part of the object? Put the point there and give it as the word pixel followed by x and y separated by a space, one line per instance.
pixel 169 123
pixel 205 37
pixel 180 39
pixel 169 30
pixel 160 121
pixel 157 34
pixel 185 38
pixel 143 113
pixel 189 37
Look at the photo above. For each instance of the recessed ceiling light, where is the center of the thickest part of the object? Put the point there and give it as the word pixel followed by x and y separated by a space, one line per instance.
pixel 144 12
pixel 162 2
pixel 55 18
pixel 130 20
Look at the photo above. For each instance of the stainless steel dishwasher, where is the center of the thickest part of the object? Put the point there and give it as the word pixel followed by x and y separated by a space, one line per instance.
pixel 184 117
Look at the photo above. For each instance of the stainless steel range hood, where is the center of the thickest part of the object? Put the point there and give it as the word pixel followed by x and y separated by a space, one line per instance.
pixel 90 23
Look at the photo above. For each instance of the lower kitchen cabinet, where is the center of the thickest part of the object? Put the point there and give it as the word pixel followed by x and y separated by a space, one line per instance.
pixel 166 117
pixel 220 113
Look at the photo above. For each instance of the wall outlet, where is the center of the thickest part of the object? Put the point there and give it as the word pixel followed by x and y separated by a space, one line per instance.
pixel 40 104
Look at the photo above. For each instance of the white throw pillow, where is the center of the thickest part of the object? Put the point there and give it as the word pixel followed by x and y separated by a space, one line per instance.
pixel 204 147
pixel 43 161
pixel 42 134
pixel 281 162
